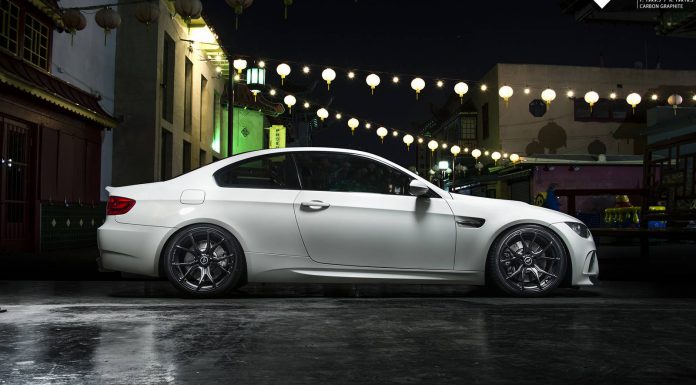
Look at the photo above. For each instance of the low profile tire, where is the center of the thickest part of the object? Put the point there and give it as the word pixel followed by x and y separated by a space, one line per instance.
pixel 527 261
pixel 204 261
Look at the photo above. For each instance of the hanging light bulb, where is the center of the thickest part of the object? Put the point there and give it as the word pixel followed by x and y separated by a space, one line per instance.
pixel 505 155
pixel 432 145
pixel 322 113
pixel 591 98
pixel 466 150
pixel 444 146
pixel 693 98
pixel 328 75
pixel 338 116
pixel 420 140
pixel 395 79
pixel 289 101
pixel 353 124
pixel 484 87
pixel 382 132
pixel 239 65
pixel 460 89
pixel 612 95
pixel 305 69
pixel 351 75
pixel 548 95
pixel 395 133
pixel 218 69
pixel 527 90
pixel 653 97
pixel 408 139
pixel 505 92
pixel 486 153
pixel 440 83
pixel 262 64
pixel 272 92
pixel 236 77
pixel 570 94
pixel 306 104
pixel 283 70
pixel 368 125
pixel 633 99
pixel 417 84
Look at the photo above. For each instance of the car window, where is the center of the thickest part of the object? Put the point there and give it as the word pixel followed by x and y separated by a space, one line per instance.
pixel 269 172
pixel 349 173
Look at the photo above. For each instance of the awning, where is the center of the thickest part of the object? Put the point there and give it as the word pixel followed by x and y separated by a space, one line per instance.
pixel 25 77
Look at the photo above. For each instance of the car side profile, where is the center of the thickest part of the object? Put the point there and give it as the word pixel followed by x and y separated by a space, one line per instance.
pixel 326 215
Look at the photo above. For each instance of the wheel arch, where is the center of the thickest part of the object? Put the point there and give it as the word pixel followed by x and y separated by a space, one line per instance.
pixel 568 276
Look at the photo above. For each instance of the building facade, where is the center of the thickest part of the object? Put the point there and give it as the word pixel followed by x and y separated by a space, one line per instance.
pixel 51 132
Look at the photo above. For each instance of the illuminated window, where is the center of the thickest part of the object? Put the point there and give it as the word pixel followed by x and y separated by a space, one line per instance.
pixel 9 26
pixel 35 42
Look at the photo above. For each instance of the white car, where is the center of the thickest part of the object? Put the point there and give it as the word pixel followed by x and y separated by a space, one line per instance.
pixel 328 215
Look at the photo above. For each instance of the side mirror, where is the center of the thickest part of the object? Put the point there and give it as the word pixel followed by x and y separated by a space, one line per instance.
pixel 418 188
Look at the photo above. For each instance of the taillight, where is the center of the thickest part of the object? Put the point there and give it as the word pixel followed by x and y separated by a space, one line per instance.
pixel 119 205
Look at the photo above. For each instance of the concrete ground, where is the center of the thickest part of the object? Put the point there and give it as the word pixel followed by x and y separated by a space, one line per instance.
pixel 142 332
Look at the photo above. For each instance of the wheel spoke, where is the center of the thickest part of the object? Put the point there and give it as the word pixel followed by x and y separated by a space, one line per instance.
pixel 536 274
pixel 200 281
pixel 519 269
pixel 183 277
pixel 213 247
pixel 183 263
pixel 524 244
pixel 194 247
pixel 210 277
pixel 207 241
pixel 542 271
pixel 544 249
pixel 185 249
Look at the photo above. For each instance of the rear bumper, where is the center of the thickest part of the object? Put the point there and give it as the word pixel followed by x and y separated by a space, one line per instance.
pixel 131 248
pixel 583 255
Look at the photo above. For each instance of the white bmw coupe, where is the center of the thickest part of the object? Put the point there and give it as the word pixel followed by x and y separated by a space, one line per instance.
pixel 329 215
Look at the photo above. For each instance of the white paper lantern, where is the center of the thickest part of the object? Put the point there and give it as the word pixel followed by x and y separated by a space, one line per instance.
pixel 591 98
pixel 290 101
pixel 239 65
pixel 382 132
pixel 455 150
pixel 476 153
pixel 408 139
pixel 548 95
pixel 460 89
pixel 353 124
pixel 505 92
pixel 328 75
pixel 322 113
pixel 283 70
pixel 432 145
pixel 633 99
pixel 417 84
pixel 372 80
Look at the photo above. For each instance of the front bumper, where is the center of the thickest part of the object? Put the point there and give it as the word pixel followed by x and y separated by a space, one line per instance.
pixel 131 248
pixel 583 255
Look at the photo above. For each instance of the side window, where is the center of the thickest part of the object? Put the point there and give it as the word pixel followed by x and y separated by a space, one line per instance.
pixel 349 173
pixel 267 172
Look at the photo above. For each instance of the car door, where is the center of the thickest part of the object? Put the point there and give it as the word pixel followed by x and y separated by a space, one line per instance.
pixel 357 211
pixel 256 198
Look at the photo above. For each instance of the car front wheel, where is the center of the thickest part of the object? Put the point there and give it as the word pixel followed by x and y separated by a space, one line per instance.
pixel 527 261
pixel 204 261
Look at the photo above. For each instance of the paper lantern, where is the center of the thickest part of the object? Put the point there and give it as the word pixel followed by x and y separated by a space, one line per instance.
pixel 239 65
pixel 283 70
pixel 432 145
pixel 505 92
pixel 548 95
pixel 675 100
pixel 108 19
pixel 417 84
pixel 514 158
pixel 353 124
pixel 322 113
pixel 328 75
pixel 290 101
pixel 147 13
pixel 408 139
pixel 372 80
pixel 74 21
pixel 238 6
pixel 382 132
pixel 495 156
pixel 591 98
pixel 455 150
pixel 476 153
pixel 633 99
pixel 460 89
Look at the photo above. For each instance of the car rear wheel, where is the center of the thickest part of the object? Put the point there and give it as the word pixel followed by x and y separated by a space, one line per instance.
pixel 204 261
pixel 527 261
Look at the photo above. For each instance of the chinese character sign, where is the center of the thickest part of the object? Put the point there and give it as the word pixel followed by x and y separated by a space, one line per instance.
pixel 276 136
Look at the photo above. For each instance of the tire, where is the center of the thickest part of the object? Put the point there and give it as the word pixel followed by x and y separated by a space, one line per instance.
pixel 527 261
pixel 204 261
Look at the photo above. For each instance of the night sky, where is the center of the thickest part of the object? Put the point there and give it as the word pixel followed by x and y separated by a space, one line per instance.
pixel 435 38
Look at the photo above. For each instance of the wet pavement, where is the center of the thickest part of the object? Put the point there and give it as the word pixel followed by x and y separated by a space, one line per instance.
pixel 142 332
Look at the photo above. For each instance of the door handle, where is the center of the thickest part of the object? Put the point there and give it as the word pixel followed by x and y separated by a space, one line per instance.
pixel 313 204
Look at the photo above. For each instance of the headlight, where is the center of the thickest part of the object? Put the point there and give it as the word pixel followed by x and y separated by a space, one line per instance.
pixel 579 228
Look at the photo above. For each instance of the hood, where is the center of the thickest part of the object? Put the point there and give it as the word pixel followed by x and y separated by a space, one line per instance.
pixel 508 210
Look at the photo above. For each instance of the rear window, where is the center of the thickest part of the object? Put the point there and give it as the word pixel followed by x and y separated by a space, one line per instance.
pixel 263 172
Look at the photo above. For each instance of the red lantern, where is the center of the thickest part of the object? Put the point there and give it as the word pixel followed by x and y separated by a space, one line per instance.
pixel 108 19
pixel 147 13
pixel 74 21
pixel 238 6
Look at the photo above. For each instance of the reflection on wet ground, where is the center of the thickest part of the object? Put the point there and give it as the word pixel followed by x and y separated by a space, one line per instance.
pixel 143 332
